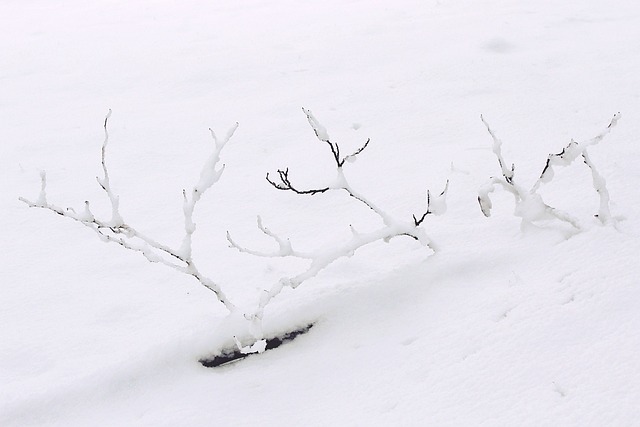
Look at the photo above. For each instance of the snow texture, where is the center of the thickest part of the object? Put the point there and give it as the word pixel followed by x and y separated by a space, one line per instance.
pixel 502 325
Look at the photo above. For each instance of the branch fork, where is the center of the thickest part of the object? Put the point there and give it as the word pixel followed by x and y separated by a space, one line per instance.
pixel 116 230
pixel 322 258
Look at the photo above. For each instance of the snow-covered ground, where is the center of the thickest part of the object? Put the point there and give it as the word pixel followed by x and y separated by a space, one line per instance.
pixel 499 327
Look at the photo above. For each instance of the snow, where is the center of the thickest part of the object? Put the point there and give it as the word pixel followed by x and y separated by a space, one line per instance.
pixel 500 326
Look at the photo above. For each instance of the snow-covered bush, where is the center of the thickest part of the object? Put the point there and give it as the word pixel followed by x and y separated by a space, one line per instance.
pixel 530 206
pixel 114 229
pixel 320 259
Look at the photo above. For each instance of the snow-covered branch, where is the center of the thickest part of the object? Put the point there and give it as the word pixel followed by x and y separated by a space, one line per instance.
pixel 529 204
pixel 284 245
pixel 322 258
pixel 116 230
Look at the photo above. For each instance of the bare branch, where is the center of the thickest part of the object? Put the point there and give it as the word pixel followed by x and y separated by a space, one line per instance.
pixel 284 245
pixel 352 156
pixel 489 187
pixel 285 184
pixel 571 152
pixel 323 136
pixel 438 207
pixel 529 204
pixel 117 231
pixel 497 150
pixel 599 137
pixel 105 182
pixel 322 258
pixel 600 185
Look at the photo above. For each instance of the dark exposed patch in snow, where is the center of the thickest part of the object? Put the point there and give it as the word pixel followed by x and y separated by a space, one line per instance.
pixel 232 354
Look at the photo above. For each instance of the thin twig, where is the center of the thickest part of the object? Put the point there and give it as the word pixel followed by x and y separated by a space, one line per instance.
pixel 320 259
pixel 285 184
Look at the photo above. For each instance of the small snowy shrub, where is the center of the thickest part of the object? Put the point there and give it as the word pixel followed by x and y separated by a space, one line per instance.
pixel 322 258
pixel 529 204
pixel 114 229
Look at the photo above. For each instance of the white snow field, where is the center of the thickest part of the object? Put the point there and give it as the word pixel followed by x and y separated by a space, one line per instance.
pixel 502 326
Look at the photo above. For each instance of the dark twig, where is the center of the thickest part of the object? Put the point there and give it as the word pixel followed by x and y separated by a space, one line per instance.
pixel 354 154
pixel 322 258
pixel 417 221
pixel 285 184
pixel 323 136
pixel 438 210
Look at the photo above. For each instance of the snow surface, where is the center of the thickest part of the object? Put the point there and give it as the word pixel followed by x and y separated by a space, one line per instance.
pixel 499 327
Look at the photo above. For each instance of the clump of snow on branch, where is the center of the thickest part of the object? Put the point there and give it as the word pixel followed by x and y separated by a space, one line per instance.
pixel 322 258
pixel 116 230
pixel 257 347
pixel 530 206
